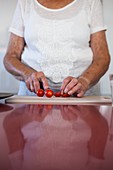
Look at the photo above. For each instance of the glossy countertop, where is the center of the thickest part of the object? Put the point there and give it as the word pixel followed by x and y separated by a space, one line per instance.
pixel 56 137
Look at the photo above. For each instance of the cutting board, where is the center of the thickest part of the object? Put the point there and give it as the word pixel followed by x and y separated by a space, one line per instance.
pixel 59 100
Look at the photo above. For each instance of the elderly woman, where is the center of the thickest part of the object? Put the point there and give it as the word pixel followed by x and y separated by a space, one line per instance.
pixel 59 44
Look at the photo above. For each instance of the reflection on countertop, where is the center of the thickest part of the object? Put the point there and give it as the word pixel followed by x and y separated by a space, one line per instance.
pixel 57 137
pixel 5 108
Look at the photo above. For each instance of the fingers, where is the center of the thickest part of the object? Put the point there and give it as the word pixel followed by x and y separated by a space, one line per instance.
pixel 32 84
pixel 74 86
pixel 33 81
pixel 70 85
pixel 44 82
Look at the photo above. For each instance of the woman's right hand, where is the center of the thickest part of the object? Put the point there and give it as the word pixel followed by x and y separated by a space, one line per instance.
pixel 34 80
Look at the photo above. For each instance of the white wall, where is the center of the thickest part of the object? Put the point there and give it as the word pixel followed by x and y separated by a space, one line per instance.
pixel 108 15
pixel 7 82
pixel 6 12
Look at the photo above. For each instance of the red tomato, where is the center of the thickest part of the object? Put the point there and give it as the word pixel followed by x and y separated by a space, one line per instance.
pixel 57 94
pixel 65 95
pixel 49 93
pixel 40 93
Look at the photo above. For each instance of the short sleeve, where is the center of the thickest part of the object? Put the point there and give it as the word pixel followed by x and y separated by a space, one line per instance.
pixel 17 25
pixel 97 17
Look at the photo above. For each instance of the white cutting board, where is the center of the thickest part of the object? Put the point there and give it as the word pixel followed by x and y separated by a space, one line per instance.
pixel 59 100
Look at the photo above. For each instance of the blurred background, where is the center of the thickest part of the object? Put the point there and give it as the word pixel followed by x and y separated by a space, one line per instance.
pixel 7 82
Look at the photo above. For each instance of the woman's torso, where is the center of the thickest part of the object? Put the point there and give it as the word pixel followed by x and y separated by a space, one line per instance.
pixel 57 38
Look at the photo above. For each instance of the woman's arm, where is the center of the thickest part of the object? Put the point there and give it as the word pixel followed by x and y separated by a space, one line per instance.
pixel 95 71
pixel 13 64
pixel 12 59
pixel 101 59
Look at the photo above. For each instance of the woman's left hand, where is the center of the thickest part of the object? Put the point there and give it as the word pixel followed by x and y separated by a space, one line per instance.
pixel 75 86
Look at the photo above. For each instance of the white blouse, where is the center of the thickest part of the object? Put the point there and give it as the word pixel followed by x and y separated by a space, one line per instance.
pixel 57 40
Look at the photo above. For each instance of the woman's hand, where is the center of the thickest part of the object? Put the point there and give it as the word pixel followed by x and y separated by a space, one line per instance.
pixel 98 67
pixel 75 86
pixel 34 81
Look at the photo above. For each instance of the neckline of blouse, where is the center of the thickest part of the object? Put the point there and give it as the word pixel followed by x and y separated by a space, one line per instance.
pixel 55 10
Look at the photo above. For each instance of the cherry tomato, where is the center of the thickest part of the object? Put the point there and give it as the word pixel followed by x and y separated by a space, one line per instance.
pixel 49 93
pixel 57 94
pixel 65 95
pixel 40 93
